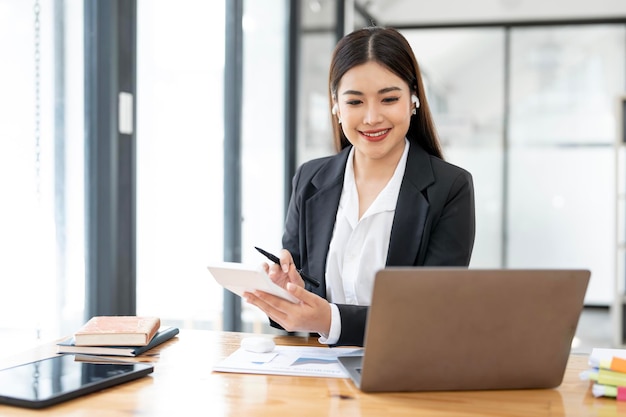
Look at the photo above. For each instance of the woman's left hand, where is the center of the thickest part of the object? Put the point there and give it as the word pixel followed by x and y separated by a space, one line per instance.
pixel 311 314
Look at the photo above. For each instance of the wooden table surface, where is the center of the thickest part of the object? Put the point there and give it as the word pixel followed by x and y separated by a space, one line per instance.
pixel 183 384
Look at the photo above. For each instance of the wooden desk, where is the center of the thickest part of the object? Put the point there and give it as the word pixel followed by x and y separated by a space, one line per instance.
pixel 183 384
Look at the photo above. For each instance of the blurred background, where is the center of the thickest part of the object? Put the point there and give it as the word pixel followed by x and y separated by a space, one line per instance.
pixel 228 97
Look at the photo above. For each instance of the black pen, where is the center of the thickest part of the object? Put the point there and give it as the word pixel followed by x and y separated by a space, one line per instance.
pixel 276 260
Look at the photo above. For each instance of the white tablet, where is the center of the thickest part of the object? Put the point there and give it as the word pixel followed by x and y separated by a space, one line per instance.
pixel 240 278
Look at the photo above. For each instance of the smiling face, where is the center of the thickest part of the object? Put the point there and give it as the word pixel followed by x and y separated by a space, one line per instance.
pixel 374 106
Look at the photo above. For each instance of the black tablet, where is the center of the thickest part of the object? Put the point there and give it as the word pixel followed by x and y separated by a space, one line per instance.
pixel 50 381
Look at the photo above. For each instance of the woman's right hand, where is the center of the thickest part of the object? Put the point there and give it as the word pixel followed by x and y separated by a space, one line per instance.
pixel 284 273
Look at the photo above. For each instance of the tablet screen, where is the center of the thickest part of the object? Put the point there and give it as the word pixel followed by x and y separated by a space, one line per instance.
pixel 53 380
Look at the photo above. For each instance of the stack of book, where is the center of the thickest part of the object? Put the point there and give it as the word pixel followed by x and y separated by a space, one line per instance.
pixel 607 373
pixel 117 336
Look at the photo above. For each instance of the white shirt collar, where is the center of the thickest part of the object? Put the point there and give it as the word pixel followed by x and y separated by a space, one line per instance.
pixel 386 200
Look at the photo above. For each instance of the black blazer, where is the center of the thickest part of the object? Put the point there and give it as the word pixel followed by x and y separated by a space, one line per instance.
pixel 433 224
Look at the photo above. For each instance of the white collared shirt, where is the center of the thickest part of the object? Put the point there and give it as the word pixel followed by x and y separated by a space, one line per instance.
pixel 358 248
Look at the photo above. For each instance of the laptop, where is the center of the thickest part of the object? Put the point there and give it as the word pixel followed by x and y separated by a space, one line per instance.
pixel 447 329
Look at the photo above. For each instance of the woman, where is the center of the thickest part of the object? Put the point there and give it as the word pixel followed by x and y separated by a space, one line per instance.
pixel 386 198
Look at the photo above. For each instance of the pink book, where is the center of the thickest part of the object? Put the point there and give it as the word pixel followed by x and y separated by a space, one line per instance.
pixel 117 331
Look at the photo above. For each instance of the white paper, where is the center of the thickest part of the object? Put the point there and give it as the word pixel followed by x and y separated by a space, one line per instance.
pixel 601 354
pixel 288 360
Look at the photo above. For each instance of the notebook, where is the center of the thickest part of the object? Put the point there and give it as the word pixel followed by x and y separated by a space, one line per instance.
pixel 449 329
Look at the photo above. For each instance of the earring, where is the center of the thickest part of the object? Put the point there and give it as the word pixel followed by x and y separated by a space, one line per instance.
pixel 415 101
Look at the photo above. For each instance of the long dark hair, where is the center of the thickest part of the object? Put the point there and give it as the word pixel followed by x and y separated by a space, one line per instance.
pixel 389 48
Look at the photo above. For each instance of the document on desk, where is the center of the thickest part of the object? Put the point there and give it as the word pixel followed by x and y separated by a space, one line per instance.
pixel 288 360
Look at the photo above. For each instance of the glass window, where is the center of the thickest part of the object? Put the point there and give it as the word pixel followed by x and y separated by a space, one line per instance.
pixel 316 43
pixel 180 153
pixel 180 65
pixel 463 72
pixel 41 171
pixel 314 123
pixel 263 126
pixel 564 86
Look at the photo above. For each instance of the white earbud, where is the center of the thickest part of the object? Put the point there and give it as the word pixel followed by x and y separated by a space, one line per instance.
pixel 334 111
pixel 415 101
